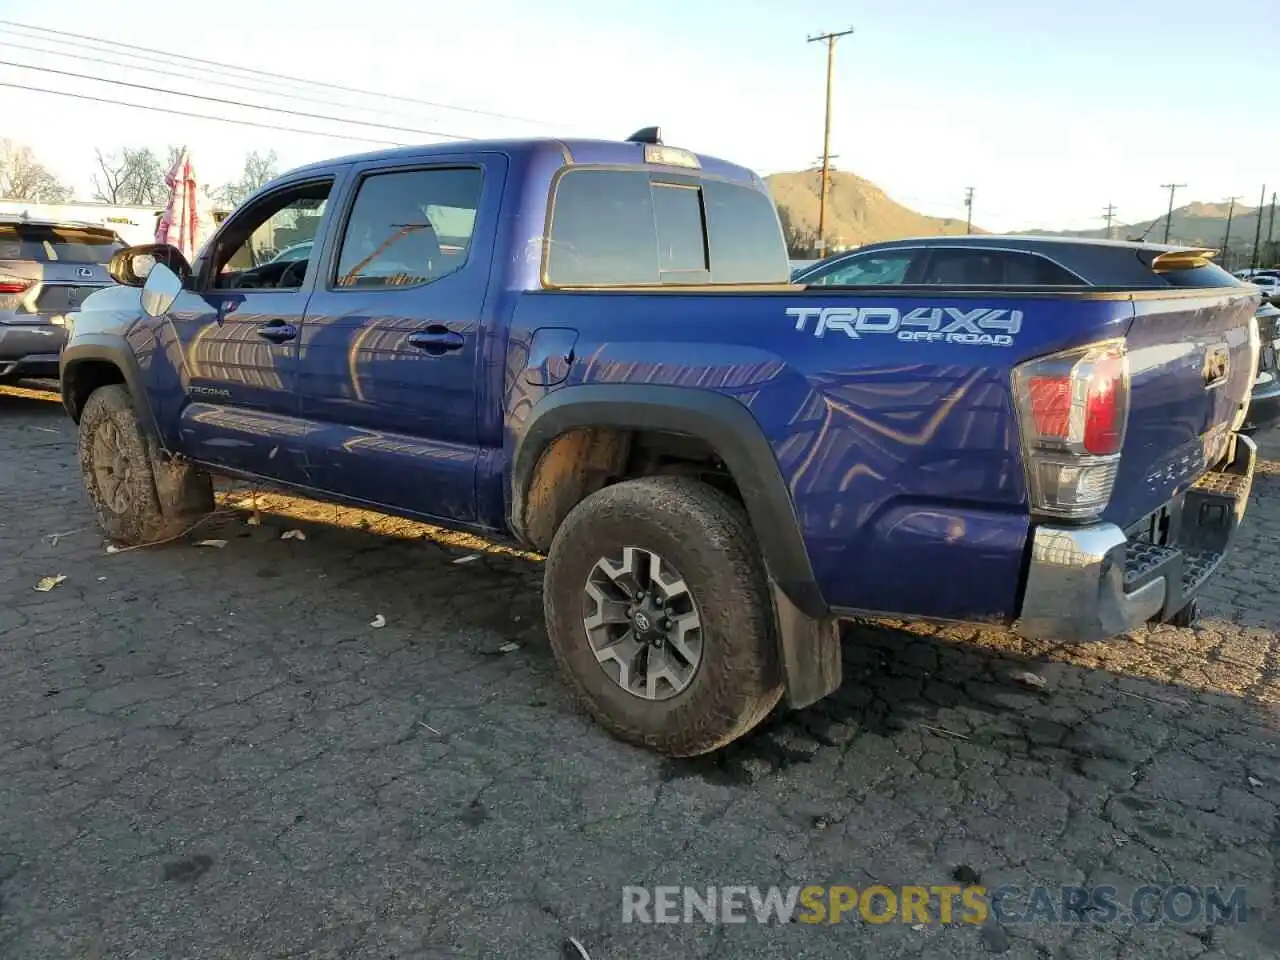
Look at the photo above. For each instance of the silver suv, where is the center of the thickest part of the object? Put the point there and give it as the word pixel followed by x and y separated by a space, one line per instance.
pixel 47 268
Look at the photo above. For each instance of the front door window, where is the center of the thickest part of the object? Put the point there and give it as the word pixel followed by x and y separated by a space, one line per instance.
pixel 273 245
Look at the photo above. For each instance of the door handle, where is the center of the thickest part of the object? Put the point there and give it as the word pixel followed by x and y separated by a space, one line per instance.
pixel 277 331
pixel 437 339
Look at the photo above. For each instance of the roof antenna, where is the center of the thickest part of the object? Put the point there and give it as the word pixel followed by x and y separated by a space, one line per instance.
pixel 646 135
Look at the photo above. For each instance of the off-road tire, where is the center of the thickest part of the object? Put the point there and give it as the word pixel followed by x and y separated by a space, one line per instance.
pixel 157 499
pixel 706 535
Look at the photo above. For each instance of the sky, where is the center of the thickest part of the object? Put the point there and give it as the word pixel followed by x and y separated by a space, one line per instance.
pixel 1049 110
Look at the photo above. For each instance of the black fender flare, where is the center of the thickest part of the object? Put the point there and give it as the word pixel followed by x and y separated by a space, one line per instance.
pixel 718 420
pixel 115 350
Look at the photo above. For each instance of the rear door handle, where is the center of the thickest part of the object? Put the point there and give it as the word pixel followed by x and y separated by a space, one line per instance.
pixel 437 339
pixel 277 331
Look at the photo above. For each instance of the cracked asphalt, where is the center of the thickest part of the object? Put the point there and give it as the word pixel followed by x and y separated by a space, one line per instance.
pixel 210 752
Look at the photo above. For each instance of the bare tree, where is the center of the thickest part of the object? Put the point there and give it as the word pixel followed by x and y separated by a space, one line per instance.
pixel 23 177
pixel 258 171
pixel 112 179
pixel 133 175
pixel 147 175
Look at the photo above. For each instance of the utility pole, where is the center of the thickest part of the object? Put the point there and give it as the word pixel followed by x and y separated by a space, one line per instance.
pixel 968 203
pixel 1271 223
pixel 1226 240
pixel 1172 188
pixel 830 40
pixel 831 166
pixel 1109 215
pixel 1257 234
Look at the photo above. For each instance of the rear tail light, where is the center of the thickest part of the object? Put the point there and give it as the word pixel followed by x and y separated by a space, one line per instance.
pixel 1073 408
pixel 11 285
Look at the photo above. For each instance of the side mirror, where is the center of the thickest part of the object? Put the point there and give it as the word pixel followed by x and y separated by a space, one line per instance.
pixel 160 291
pixel 132 266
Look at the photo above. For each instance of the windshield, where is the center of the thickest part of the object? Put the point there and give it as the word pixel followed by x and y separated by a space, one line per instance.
pixel 45 243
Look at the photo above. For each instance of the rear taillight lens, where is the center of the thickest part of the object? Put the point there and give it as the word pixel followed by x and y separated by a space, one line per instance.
pixel 1073 408
pixel 12 285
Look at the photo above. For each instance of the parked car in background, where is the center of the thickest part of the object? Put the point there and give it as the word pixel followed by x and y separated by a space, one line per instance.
pixel 1051 262
pixel 1268 283
pixel 299 251
pixel 47 269
pixel 1264 407
pixel 597 354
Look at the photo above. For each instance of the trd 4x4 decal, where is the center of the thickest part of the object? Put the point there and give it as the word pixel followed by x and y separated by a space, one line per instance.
pixel 980 326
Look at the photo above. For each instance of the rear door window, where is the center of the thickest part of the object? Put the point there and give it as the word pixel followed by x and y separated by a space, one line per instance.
pixel 54 244
pixel 616 227
pixel 1031 270
pixel 409 227
pixel 964 267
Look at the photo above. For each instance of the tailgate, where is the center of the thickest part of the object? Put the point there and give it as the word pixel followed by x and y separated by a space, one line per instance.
pixel 1193 356
pixel 49 269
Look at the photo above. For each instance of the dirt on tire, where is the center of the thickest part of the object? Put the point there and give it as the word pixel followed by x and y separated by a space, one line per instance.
pixel 156 500
pixel 706 535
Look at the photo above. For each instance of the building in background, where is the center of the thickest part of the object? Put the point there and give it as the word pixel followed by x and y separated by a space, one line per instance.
pixel 133 224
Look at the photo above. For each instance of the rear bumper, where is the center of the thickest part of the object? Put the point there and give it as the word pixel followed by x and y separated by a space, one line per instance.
pixel 30 349
pixel 1096 582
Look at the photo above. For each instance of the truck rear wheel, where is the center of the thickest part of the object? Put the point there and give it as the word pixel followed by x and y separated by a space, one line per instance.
pixel 137 497
pixel 658 610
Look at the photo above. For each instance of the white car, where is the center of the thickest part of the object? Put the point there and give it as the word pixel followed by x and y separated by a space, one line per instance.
pixel 1268 282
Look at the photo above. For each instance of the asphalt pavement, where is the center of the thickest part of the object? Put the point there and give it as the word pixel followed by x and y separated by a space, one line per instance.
pixel 351 742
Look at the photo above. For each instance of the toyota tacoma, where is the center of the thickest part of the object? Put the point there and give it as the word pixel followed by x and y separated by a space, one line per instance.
pixel 594 349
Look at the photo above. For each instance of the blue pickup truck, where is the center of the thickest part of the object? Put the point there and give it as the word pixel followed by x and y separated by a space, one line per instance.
pixel 594 349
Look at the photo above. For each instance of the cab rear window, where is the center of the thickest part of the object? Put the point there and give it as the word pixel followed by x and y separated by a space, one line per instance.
pixel 616 227
pixel 52 244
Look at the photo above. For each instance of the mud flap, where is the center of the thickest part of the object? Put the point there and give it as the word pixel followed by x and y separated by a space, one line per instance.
pixel 809 650
pixel 183 491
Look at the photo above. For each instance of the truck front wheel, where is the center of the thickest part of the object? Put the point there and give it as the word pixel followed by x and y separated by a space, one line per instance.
pixel 137 497
pixel 658 610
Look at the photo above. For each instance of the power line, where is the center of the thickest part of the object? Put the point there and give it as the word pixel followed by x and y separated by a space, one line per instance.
pixel 233 103
pixel 198 116
pixel 149 53
pixel 81 58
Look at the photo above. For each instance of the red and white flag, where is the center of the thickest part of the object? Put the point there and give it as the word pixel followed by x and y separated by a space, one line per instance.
pixel 187 220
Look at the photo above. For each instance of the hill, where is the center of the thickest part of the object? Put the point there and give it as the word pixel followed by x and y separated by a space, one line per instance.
pixel 1196 224
pixel 858 211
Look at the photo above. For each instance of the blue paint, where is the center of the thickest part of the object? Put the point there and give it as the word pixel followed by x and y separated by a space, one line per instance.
pixel 902 459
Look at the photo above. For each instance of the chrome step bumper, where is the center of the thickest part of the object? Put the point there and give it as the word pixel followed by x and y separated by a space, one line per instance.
pixel 1094 582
